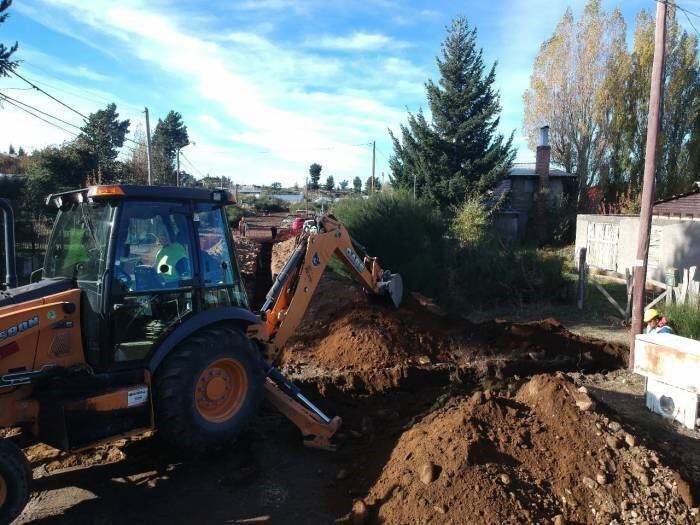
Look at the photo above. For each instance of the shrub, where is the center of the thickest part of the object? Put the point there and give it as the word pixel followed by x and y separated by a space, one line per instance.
pixel 463 272
pixel 406 235
pixel 471 222
pixel 684 319
pixel 234 215
pixel 266 204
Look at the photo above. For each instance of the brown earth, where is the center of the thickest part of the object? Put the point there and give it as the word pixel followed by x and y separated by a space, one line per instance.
pixel 439 427
pixel 281 251
pixel 533 457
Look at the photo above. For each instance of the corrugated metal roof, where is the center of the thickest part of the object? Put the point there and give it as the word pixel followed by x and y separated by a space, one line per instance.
pixel 527 169
pixel 685 204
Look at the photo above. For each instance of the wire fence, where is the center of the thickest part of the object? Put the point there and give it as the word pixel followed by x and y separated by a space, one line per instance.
pixel 31 240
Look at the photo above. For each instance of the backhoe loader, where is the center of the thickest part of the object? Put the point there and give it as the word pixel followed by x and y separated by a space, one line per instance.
pixel 140 321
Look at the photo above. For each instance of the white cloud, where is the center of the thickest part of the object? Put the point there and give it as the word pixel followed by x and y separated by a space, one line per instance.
pixel 252 95
pixel 355 42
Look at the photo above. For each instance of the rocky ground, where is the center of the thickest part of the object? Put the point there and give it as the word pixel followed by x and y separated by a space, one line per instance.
pixel 445 421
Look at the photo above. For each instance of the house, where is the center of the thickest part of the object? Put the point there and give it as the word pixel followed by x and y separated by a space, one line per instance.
pixel 674 243
pixel 521 186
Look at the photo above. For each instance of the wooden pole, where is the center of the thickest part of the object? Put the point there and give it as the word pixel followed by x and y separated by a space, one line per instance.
pixel 645 217
pixel 581 278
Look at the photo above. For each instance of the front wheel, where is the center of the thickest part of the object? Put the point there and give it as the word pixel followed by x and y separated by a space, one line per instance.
pixel 15 481
pixel 208 389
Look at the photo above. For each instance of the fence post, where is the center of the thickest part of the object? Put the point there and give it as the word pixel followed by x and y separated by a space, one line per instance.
pixel 581 277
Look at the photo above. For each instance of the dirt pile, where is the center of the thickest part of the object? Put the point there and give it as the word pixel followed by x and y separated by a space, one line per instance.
pixel 281 251
pixel 533 457
pixel 248 252
pixel 361 336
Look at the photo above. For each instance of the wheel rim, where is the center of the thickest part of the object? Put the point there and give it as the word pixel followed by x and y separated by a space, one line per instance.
pixel 221 389
pixel 3 491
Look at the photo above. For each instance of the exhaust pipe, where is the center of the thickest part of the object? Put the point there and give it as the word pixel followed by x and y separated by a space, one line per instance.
pixel 9 227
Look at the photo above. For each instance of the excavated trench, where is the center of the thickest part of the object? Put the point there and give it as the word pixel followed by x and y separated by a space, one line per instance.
pixel 263 275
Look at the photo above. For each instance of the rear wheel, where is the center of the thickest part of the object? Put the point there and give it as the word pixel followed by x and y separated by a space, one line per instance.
pixel 15 481
pixel 208 389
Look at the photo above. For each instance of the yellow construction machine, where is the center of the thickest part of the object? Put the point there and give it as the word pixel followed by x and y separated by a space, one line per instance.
pixel 139 320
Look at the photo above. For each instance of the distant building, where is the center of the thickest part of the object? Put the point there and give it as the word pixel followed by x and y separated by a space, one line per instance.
pixel 522 185
pixel 611 240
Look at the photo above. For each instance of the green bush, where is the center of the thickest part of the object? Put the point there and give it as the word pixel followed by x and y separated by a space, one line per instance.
pixel 465 271
pixel 684 319
pixel 266 204
pixel 471 222
pixel 234 214
pixel 406 235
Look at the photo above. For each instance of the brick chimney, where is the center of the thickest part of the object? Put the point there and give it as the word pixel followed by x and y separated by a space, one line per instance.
pixel 544 151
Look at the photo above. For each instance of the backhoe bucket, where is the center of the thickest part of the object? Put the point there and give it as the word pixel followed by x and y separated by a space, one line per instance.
pixel 394 287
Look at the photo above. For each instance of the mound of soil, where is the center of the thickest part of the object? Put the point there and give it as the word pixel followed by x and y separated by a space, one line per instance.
pixel 248 253
pixel 534 457
pixel 281 251
pixel 361 336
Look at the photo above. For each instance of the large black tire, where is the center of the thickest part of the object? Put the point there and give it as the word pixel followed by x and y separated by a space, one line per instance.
pixel 15 481
pixel 182 414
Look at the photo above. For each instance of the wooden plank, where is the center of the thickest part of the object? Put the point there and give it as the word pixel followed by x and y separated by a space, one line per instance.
pixel 611 300
pixel 655 301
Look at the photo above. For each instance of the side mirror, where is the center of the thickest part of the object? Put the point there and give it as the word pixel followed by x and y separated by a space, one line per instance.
pixel 36 275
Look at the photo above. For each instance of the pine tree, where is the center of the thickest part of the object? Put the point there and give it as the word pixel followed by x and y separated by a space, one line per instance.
pixel 330 183
pixel 11 151
pixel 169 135
pixel 315 173
pixel 357 184
pixel 459 151
pixel 101 136
pixel 368 185
pixel 6 64
pixel 344 185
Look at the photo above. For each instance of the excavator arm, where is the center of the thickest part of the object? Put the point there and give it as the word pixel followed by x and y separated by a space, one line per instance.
pixel 288 300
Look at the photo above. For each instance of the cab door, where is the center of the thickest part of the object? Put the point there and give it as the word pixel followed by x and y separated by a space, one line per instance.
pixel 152 277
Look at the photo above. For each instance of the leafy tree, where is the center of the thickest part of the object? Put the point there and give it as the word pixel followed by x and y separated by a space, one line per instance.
pixel 459 151
pixel 101 136
pixel 137 165
pixel 330 183
pixel 368 185
pixel 567 87
pixel 6 64
pixel 11 151
pixel 315 174
pixel 276 185
pixel 357 184
pixel 344 185
pixel 20 152
pixel 169 135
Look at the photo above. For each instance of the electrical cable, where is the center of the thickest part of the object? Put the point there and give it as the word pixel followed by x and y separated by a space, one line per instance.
pixel 47 94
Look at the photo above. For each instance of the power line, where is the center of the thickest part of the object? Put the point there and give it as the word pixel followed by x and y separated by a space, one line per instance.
pixel 47 94
pixel 685 12
pixel 192 165
pixel 40 118
pixel 38 110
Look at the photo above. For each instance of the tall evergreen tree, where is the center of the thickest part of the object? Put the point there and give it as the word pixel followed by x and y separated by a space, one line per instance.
pixel 357 184
pixel 369 187
pixel 101 136
pixel 6 62
pixel 330 183
pixel 169 135
pixel 315 174
pixel 459 151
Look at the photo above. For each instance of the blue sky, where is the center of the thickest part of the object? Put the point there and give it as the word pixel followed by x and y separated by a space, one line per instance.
pixel 266 87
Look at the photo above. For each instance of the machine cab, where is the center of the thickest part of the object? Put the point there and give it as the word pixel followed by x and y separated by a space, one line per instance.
pixel 146 258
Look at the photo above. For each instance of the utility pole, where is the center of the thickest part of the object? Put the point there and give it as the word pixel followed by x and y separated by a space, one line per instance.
pixel 374 152
pixel 645 217
pixel 148 146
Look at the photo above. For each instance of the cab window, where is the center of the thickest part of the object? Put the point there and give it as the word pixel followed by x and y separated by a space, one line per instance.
pixel 78 244
pixel 220 274
pixel 154 251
